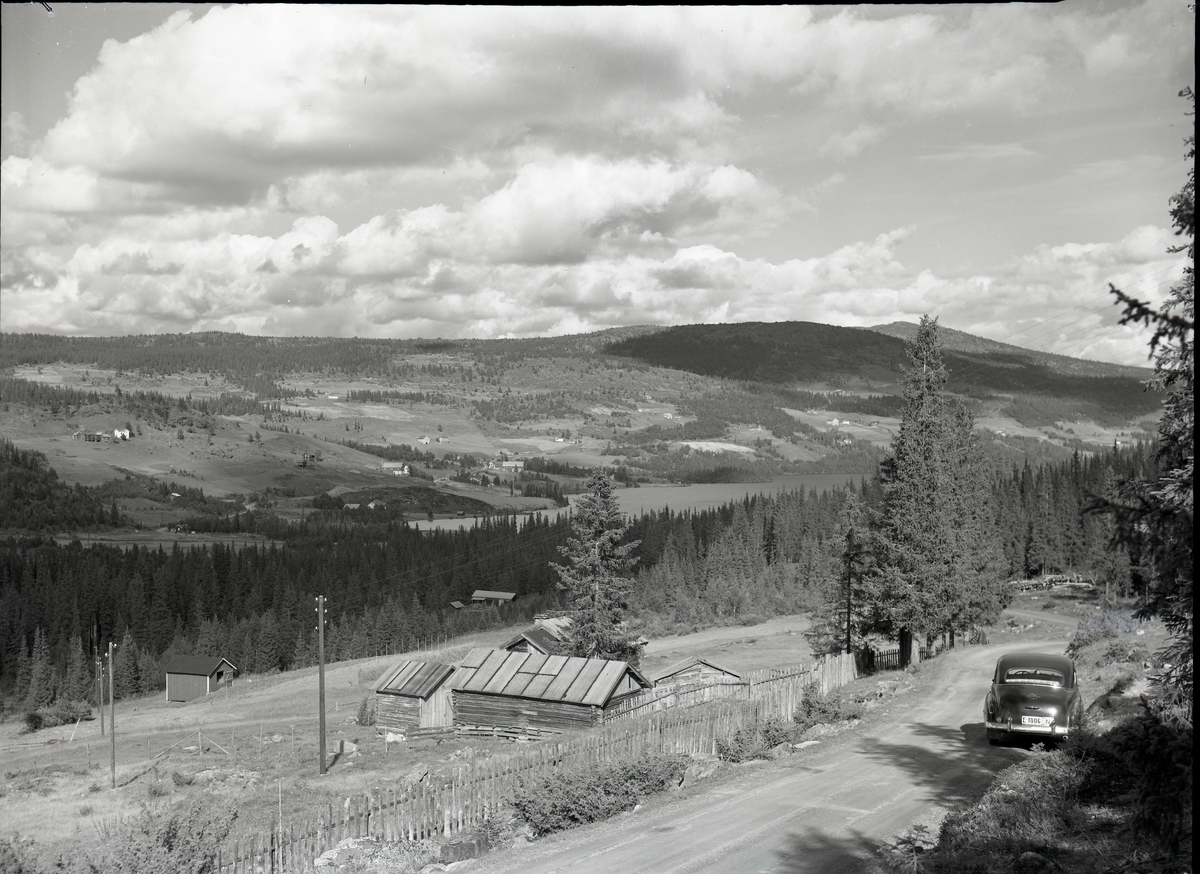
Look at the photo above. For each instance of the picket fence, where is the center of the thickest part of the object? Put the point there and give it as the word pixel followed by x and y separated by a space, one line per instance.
pixel 465 798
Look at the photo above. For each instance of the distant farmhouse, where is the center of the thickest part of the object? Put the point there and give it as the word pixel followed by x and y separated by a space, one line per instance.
pixel 485 598
pixel 190 677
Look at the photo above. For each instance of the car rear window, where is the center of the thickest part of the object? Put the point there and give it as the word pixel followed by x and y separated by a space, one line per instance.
pixel 1043 676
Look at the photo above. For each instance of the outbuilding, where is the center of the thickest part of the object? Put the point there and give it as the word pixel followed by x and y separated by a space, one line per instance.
pixel 485 597
pixel 190 677
pixel 695 669
pixel 411 695
pixel 547 637
pixel 511 691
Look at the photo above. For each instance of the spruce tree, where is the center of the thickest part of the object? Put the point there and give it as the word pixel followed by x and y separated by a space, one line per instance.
pixel 595 576
pixel 936 567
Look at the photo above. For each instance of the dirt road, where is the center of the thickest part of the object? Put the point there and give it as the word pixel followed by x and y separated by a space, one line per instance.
pixel 823 809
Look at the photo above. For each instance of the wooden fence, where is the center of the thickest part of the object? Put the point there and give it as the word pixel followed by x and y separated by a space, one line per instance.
pixel 466 797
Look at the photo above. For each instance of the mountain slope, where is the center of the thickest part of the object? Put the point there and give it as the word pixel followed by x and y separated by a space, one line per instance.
pixel 800 353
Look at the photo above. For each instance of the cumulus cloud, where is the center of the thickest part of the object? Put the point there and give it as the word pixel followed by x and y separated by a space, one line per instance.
pixel 422 171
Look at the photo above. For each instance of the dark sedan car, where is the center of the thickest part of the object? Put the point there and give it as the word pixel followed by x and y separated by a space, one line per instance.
pixel 1032 694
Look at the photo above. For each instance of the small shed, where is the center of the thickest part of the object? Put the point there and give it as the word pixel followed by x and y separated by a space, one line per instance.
pixel 694 670
pixel 518 690
pixel 536 639
pixel 484 597
pixel 190 677
pixel 411 695
pixel 547 636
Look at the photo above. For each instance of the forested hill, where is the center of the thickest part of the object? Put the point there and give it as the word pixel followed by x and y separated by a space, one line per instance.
pixel 806 352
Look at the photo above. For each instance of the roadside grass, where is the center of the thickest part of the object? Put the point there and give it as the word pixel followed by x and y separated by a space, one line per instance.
pixel 1087 806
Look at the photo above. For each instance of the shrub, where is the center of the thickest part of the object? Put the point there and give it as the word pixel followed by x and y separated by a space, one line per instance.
pixel 366 711
pixel 58 713
pixel 179 840
pixel 180 779
pixel 1109 624
pixel 563 800
pixel 755 743
pixel 816 708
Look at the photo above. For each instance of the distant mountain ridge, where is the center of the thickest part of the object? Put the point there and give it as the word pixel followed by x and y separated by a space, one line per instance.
pixel 800 354
pixel 961 341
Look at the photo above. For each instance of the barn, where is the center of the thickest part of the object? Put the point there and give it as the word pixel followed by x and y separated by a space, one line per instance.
pixel 191 677
pixel 693 670
pixel 496 689
pixel 411 695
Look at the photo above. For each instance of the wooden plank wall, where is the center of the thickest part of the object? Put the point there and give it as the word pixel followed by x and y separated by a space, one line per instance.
pixel 466 798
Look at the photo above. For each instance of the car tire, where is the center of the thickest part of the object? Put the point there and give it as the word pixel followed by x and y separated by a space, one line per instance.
pixel 994 737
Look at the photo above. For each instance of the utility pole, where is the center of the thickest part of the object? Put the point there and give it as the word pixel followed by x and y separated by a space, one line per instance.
pixel 112 713
pixel 100 689
pixel 321 671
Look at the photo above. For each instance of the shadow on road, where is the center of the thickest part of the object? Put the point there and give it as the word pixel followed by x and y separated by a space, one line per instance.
pixel 815 852
pixel 957 767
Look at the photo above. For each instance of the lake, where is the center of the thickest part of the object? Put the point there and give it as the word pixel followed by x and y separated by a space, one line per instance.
pixel 701 496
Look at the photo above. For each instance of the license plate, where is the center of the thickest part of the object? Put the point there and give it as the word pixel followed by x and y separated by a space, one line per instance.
pixel 1037 720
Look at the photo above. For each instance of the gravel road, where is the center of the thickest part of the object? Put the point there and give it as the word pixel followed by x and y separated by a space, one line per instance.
pixel 823 809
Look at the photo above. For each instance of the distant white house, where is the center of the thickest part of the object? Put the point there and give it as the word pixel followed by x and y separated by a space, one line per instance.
pixel 120 433
pixel 376 505
pixel 512 465
pixel 424 441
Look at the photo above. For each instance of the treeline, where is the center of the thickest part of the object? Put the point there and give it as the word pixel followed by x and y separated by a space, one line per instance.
pixel 32 497
pixel 390 584
pixel 386 396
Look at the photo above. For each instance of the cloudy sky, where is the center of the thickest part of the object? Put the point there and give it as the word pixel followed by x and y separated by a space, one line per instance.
pixel 489 172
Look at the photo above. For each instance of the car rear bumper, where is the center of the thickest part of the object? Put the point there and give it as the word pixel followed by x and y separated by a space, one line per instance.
pixel 1048 730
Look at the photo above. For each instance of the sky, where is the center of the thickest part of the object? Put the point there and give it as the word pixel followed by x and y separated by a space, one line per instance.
pixel 491 172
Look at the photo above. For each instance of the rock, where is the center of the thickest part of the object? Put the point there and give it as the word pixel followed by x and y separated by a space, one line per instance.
pixel 394 738
pixel 1030 862
pixel 805 743
pixel 416 775
pixel 469 845
pixel 349 747
pixel 699 768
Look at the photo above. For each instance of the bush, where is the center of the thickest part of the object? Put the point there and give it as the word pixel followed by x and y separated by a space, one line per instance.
pixel 755 743
pixel 58 713
pixel 366 711
pixel 1111 623
pixel 179 840
pixel 563 800
pixel 816 708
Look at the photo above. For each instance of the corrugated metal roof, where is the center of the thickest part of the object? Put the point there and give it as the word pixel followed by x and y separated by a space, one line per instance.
pixel 544 678
pixel 198 666
pixel 412 679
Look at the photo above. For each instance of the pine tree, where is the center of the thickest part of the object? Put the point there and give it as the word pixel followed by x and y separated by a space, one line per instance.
pixel 595 576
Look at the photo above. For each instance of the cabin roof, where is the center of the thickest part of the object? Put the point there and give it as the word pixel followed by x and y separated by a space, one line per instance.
pixel 198 666
pixel 567 679
pixel 412 679
pixel 690 663
pixel 542 638
pixel 484 594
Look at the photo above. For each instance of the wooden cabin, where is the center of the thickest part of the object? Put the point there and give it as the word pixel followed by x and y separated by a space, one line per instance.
pixel 695 669
pixel 411 695
pixel 190 677
pixel 518 690
pixel 486 598
pixel 547 637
